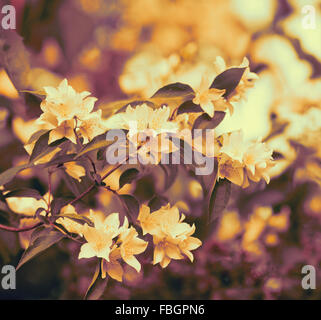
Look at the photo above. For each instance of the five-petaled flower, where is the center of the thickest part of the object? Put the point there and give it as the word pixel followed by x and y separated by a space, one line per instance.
pixel 130 245
pixel 147 128
pixel 211 99
pixel 112 242
pixel 171 236
pixel 65 112
pixel 241 160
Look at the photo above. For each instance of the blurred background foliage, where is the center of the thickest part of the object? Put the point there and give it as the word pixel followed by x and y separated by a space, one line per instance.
pixel 129 49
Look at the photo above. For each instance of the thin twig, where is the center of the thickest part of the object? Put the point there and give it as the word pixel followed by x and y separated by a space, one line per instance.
pixel 13 229
pixel 94 184
pixel 49 191
pixel 82 194
pixel 102 179
pixel 92 163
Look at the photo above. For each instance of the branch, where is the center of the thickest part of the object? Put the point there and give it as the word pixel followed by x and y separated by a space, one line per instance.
pixel 13 229
pixel 102 179
pixel 83 194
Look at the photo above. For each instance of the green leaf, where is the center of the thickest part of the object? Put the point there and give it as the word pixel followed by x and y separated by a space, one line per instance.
pixel 94 145
pixel 113 107
pixel 39 93
pixel 228 80
pixel 204 121
pixel 37 232
pixel 219 198
pixel 174 89
pixel 75 217
pixel 9 174
pixel 42 148
pixel 4 215
pixel 72 184
pixel 35 136
pixel 171 172
pixel 25 193
pixel 189 107
pixel 97 285
pixel 131 204
pixel 14 57
pixel 100 154
pixel 41 241
pixel 128 176
pixel 60 159
pixel 58 142
pixel 2 198
pixel 58 203
pixel 157 202
pixel 208 181
pixel 172 95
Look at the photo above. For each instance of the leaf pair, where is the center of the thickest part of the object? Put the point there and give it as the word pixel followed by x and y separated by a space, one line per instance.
pixel 172 95
pixel 41 149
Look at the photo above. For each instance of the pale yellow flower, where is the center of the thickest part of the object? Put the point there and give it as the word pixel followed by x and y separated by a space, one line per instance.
pixel 141 118
pixel 100 237
pixel 130 246
pixel 210 99
pixel 230 157
pixel 65 130
pixel 171 236
pixel 66 111
pixel 182 121
pixel 150 222
pixel 108 224
pixel 98 244
pixel 91 126
pixel 188 243
pixel 64 103
pixel 234 145
pixel 147 128
pixel 113 268
pixel 112 242
pixel 240 160
pixel 127 245
pixel 258 160
pixel 230 169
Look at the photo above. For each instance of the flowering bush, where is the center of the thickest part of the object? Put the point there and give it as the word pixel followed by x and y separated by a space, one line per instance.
pixel 162 178
pixel 72 140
